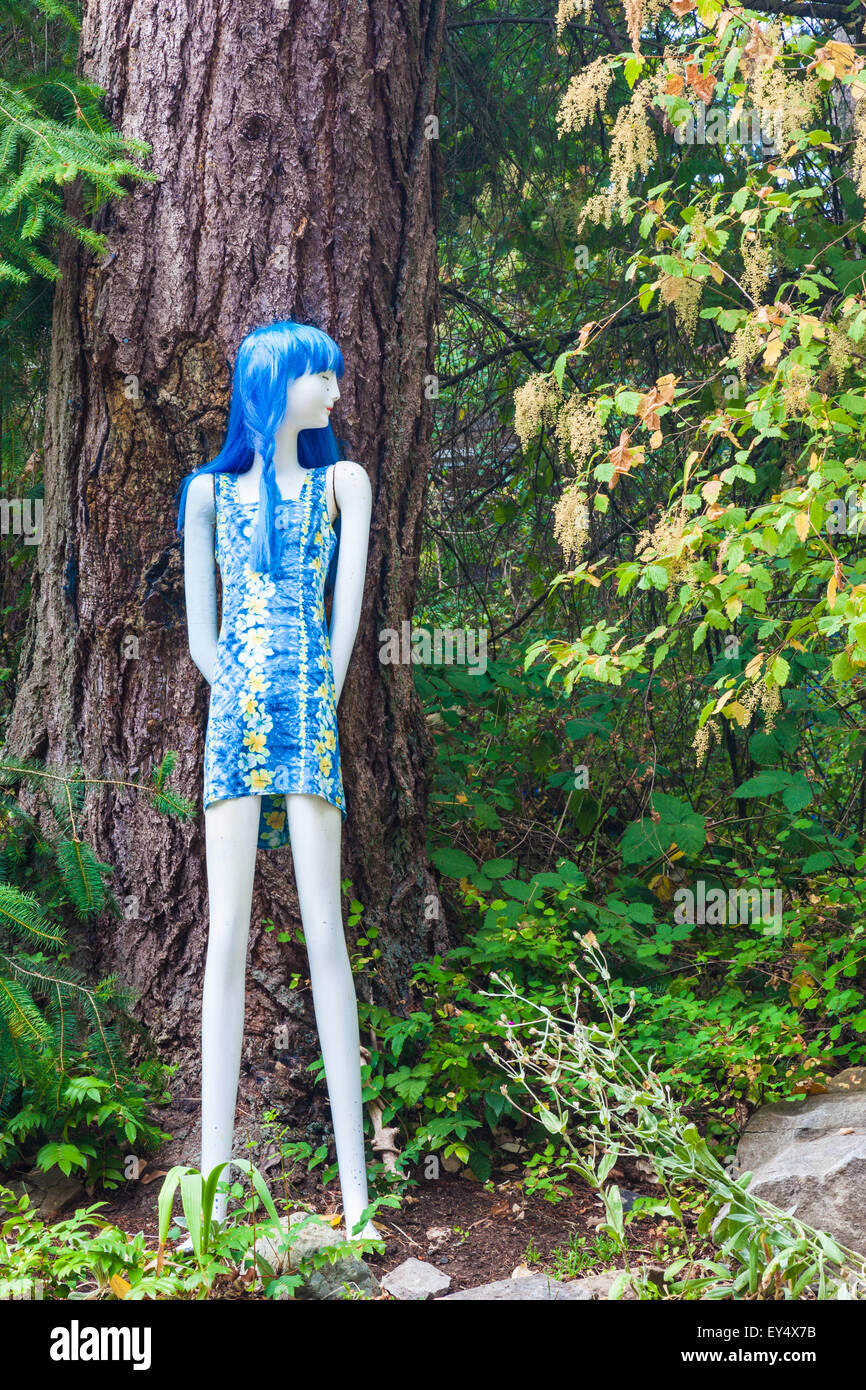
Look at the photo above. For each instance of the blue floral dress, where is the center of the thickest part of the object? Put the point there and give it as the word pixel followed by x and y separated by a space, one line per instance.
pixel 272 722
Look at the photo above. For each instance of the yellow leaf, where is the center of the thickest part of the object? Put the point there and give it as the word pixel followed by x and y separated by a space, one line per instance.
pixel 734 608
pixel 663 887
pixel 716 272
pixel 755 665
pixel 818 329
pixel 738 712
pixel 710 491
pixel 656 439
pixel 119 1287
pixel 831 592
pixel 773 350
pixel 801 525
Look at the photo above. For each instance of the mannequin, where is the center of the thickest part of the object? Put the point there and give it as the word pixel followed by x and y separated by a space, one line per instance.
pixel 284 388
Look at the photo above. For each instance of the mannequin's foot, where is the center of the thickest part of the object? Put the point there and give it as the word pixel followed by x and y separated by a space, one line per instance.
pixel 367 1232
pixel 185 1246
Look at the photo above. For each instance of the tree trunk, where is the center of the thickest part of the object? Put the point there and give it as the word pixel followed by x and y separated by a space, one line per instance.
pixel 295 180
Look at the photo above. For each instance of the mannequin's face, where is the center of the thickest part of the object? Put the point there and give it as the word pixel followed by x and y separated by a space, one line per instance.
pixel 309 400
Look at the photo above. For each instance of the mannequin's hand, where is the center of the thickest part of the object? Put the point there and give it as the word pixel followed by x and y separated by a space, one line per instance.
pixel 354 499
pixel 200 575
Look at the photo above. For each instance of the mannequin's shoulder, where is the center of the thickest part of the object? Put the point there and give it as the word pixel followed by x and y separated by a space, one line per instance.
pixel 351 484
pixel 200 497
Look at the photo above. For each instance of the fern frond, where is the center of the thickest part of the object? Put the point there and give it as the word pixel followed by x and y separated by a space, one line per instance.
pixel 170 803
pixel 82 875
pixel 19 1013
pixel 21 914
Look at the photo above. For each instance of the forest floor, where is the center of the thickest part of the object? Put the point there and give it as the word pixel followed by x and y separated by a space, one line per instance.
pixel 475 1233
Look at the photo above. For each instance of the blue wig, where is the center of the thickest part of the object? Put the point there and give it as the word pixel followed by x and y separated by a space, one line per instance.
pixel 267 361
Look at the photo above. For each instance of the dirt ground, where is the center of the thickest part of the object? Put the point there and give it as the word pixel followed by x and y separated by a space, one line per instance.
pixel 474 1234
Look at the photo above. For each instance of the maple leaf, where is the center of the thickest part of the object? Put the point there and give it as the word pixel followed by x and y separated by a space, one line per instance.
pixel 836 582
pixel 710 491
pixel 660 394
pixel 624 458
pixel 584 334
pixel 703 85
pixel 841 57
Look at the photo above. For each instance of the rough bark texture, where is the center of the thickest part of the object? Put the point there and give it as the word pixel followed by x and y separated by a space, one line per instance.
pixel 295 180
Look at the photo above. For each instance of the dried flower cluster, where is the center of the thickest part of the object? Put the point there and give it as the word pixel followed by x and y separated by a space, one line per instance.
pixel 747 344
pixel 784 101
pixel 858 172
pixel 578 429
pixel 664 542
pixel 841 352
pixel 757 265
pixel 570 9
pixel 535 404
pixel 571 522
pixel 598 209
pixel 766 697
pixel 584 96
pixel 632 145
pixel 634 13
pixel 710 733
pixel 685 295
pixel 795 392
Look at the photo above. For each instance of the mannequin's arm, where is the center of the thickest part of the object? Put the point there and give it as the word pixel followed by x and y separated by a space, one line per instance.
pixel 199 574
pixel 354 499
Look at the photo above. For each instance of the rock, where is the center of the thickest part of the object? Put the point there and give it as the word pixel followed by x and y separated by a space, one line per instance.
pixel 809 1157
pixel 851 1079
pixel 628 1198
pixel 437 1236
pixel 822 1183
pixel 599 1285
pixel 52 1192
pixel 538 1287
pixel 329 1280
pixel 773 1127
pixel 416 1279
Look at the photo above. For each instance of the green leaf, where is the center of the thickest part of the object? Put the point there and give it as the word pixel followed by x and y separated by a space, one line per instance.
pixel 677 826
pixel 764 784
pixel 453 863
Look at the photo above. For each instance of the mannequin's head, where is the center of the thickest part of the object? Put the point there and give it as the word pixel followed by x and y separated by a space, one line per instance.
pixel 279 379
pixel 284 378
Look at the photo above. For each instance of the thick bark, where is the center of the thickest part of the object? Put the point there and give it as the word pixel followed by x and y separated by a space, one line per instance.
pixel 295 180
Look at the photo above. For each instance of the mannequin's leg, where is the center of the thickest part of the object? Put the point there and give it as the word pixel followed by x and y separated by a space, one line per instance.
pixel 315 828
pixel 231 834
